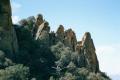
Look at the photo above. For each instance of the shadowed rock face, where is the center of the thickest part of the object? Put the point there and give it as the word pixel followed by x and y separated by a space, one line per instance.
pixel 87 48
pixel 8 41
pixel 5 14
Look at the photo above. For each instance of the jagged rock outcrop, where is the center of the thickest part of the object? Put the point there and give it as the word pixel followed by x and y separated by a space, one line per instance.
pixel 46 53
pixel 39 20
pixel 84 56
pixel 67 37
pixel 70 39
pixel 8 40
pixel 60 34
pixel 43 33
pixel 86 48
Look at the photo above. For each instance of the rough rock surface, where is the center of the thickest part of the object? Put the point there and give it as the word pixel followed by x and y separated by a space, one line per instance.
pixel 70 39
pixel 43 33
pixel 46 53
pixel 60 33
pixel 39 20
pixel 8 40
pixel 85 55
pixel 86 48
pixel 44 27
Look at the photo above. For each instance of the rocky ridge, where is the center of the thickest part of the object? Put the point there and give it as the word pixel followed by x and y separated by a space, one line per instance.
pixel 85 48
pixel 47 55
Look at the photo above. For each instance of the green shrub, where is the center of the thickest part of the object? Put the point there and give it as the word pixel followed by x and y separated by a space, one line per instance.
pixel 17 72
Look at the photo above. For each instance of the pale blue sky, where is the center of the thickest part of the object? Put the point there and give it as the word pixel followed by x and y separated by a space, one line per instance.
pixel 100 17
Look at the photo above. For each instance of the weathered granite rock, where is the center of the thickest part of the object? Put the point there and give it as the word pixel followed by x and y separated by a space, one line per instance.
pixel 60 33
pixel 43 33
pixel 43 27
pixel 8 40
pixel 39 20
pixel 70 39
pixel 87 48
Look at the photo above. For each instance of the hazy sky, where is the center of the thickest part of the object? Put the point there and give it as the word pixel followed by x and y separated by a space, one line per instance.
pixel 100 17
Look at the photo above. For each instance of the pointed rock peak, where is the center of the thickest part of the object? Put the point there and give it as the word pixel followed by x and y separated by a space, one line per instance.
pixel 61 26
pixel 87 35
pixel 70 39
pixel 60 29
pixel 89 52
pixel 39 19
pixel 39 16
pixel 43 27
pixel 87 41
pixel 70 32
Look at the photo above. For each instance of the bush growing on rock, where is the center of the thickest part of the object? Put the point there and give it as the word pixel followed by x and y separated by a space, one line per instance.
pixel 16 72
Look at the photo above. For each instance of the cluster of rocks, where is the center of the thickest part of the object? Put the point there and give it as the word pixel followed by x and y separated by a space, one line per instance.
pixel 85 48
pixel 83 52
pixel 40 31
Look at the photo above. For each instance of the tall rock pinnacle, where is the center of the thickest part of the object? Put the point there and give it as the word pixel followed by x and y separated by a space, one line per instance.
pixel 87 48
pixel 70 39
pixel 60 33
pixel 8 40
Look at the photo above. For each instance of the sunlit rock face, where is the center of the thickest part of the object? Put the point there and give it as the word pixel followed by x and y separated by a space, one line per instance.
pixel 43 33
pixel 39 20
pixel 70 39
pixel 8 40
pixel 87 48
pixel 60 33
